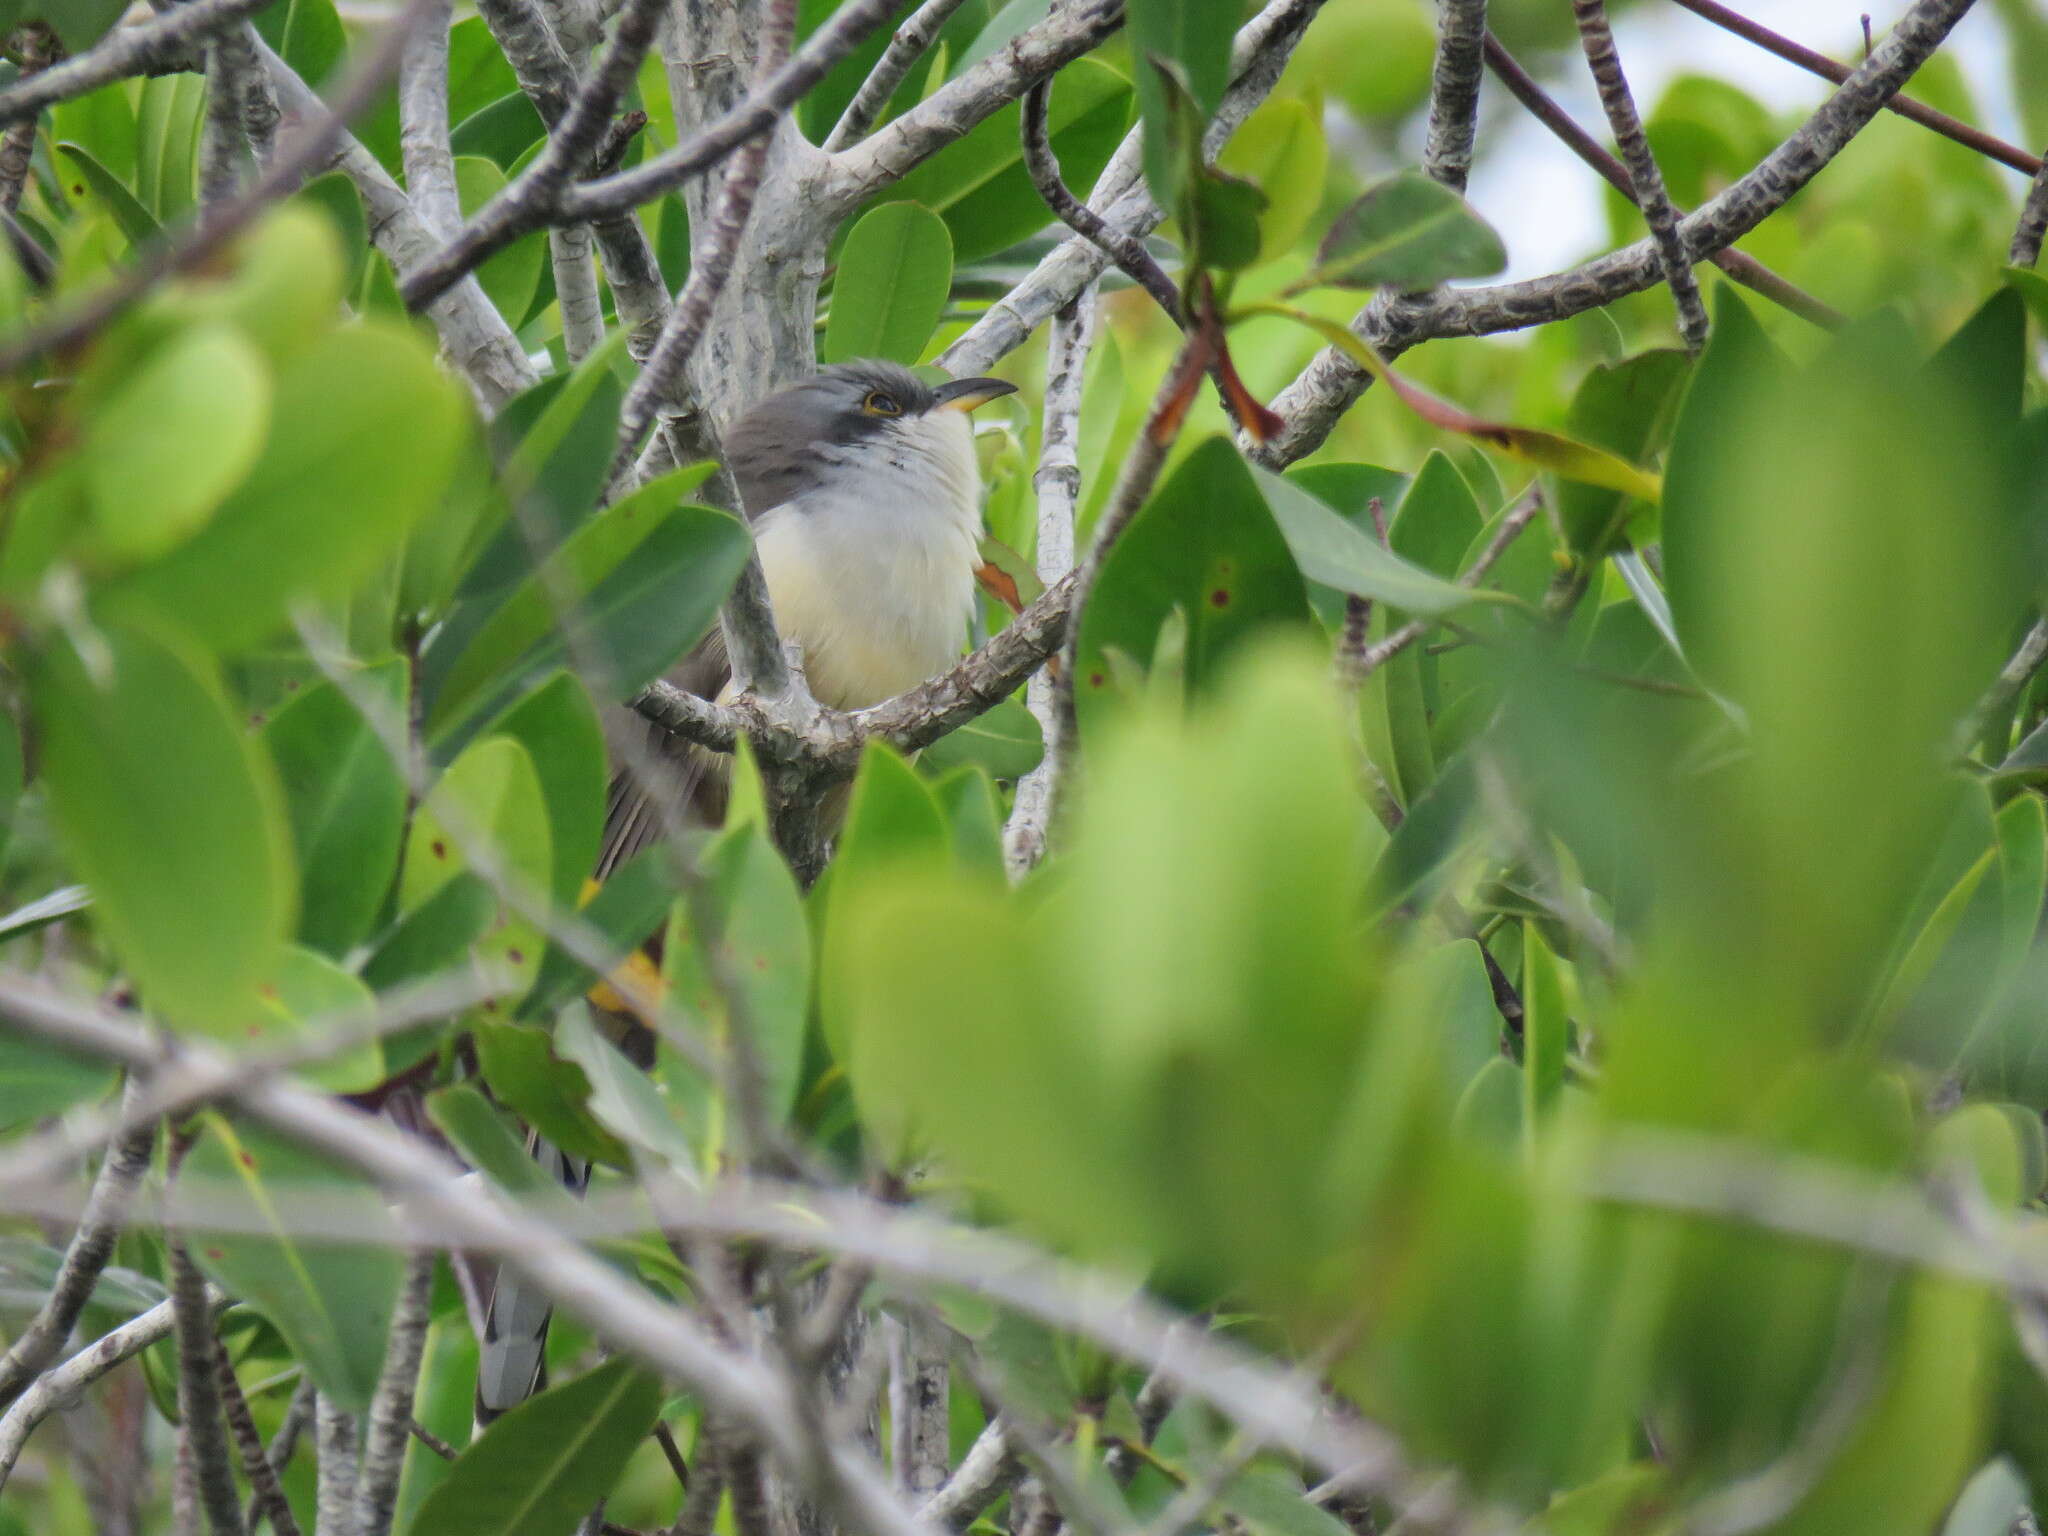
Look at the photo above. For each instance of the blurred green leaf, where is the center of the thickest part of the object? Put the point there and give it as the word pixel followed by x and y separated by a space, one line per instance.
pixel 1627 407
pixel 332 1302
pixel 623 1099
pixel 895 272
pixel 346 799
pixel 1194 37
pixel 38 1080
pixel 546 1091
pixel 1342 555
pixel 558 726
pixel 1006 741
pixel 511 277
pixel 167 143
pixel 136 221
pixel 363 435
pixel 170 816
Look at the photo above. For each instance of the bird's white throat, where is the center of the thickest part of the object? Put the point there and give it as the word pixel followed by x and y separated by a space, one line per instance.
pixel 873 573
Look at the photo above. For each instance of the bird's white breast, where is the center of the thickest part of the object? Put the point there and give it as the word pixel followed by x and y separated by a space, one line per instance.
pixel 873 575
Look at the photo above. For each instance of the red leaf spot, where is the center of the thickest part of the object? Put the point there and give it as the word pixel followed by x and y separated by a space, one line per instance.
pixel 1220 598
pixel 214 1253
pixel 248 1159
pixel 1095 679
pixel 256 720
pixel 255 1031
pixel 516 956
pixel 440 849
pixel 760 962
pixel 267 990
pixel 291 685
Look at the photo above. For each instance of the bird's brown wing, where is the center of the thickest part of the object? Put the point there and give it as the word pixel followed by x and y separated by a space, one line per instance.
pixel 690 781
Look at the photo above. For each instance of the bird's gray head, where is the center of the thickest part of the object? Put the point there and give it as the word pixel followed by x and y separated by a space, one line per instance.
pixel 869 417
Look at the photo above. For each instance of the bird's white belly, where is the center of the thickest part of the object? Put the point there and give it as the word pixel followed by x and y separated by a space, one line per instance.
pixel 879 598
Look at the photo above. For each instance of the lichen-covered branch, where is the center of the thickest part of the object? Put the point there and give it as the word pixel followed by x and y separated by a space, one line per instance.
pixel 389 1423
pixel 912 41
pixel 1393 323
pixel 2033 225
pixel 106 1209
pixel 1057 484
pixel 123 52
pixel 334 1446
pixel 423 126
pixel 267 1492
pixel 1647 181
pixel 202 1429
pixel 1454 92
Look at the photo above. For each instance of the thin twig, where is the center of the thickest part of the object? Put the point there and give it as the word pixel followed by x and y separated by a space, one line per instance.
pixel 1372 657
pixel 106 1210
pixel 1828 69
pixel 122 52
pixel 1597 39
pixel 57 1388
pixel 219 224
pixel 912 40
pixel 543 193
pixel 423 125
pixel 266 1492
pixel 2033 225
pixel 710 265
pixel 1126 250
pixel 1739 265
pixel 203 1428
pixel 298 1418
pixel 1454 92
pixel 432 1441
pixel 18 143
pixel 390 1416
pixel 1057 484
pixel 2012 677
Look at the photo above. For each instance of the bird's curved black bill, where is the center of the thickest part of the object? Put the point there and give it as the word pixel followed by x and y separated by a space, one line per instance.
pixel 966 394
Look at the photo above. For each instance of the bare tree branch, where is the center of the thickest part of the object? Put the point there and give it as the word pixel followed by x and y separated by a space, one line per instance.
pixel 988 1471
pixel 113 1191
pixel 55 1388
pixel 953 111
pixel 267 1493
pixel 298 1418
pixel 2033 225
pixel 1646 180
pixel 18 144
pixel 1057 483
pixel 1739 265
pixel 423 126
pixel 919 1393
pixel 316 142
pixel 334 1438
pixel 1906 106
pixel 1394 322
pixel 912 41
pixel 203 1429
pixel 1260 53
pixel 390 1417
pixel 122 52
pixel 543 193
pixel 1454 92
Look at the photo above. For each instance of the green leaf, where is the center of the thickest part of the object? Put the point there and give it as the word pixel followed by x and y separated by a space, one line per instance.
pixel 1194 36
pixel 1204 545
pixel 81 23
pixel 435 935
pixel 1432 832
pixel 648 575
pixel 1627 407
pixel 364 429
pixel 632 905
pixel 1406 232
pixel 37 1080
pixel 170 815
pixel 488 1140
pixel 346 799
pixel 40 913
pixel 549 1093
pixel 624 1099
pixel 309 989
pixel 135 221
pixel 543 1466
pixel 1281 150
pixel 895 273
pixel 1544 1030
pixel 1006 741
pixel 1340 554
pixel 335 197
pixel 764 945
pixel 164 446
pixel 510 278
pixel 28 1271
pixel 1273 1502
pixel 168 143
pixel 558 726
pixel 332 1302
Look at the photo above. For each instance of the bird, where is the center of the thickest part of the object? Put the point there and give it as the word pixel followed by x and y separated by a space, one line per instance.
pixel 862 491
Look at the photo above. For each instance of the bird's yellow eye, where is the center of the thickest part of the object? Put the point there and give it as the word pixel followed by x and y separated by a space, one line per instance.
pixel 881 403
